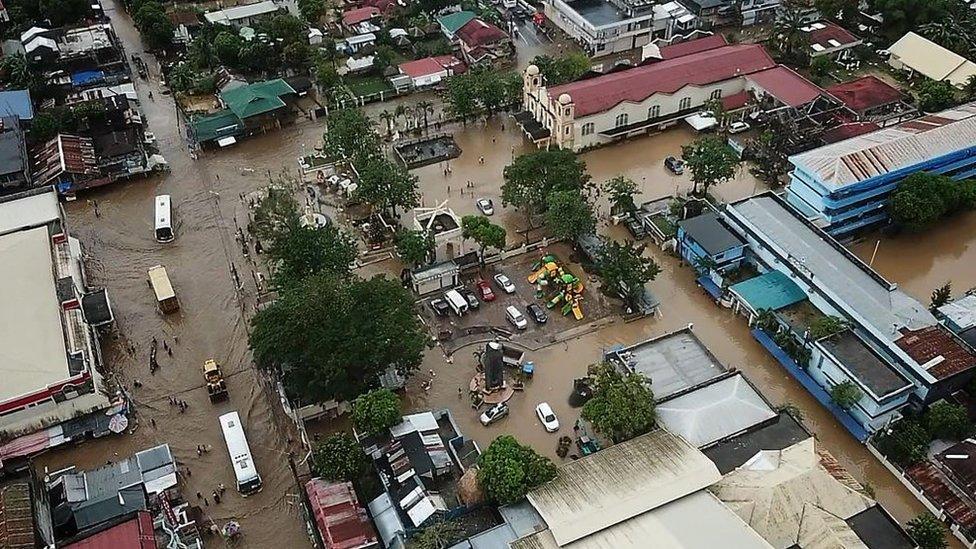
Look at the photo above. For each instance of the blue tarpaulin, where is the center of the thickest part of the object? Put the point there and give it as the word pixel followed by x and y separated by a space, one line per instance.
pixel 83 78
pixel 710 286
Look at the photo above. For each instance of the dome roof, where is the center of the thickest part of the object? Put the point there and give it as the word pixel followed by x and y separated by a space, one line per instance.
pixel 532 70
pixel 565 99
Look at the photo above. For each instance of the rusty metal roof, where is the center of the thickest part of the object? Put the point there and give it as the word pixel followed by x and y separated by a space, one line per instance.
pixel 903 145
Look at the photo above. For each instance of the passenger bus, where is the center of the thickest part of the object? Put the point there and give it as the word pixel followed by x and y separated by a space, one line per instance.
pixel 248 479
pixel 164 219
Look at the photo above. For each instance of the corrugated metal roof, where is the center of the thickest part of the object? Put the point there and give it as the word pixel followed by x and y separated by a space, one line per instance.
pixel 903 145
pixel 621 482
pixel 772 290
pixel 961 312
pixel 342 523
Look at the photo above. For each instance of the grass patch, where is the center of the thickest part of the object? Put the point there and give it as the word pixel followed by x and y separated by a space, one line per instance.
pixel 361 86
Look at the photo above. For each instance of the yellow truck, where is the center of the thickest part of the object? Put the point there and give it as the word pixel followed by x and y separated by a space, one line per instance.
pixel 216 386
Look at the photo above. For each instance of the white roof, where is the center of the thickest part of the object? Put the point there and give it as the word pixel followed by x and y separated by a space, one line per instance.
pixel 32 344
pixel 961 312
pixel 354 63
pixel 30 211
pixel 38 42
pixel 240 12
pixel 700 122
pixel 26 36
pixel 912 142
pixel 361 38
pixel 931 59
pixel 715 411
pixel 423 422
pixel 789 498
pixel 677 525
pixel 621 482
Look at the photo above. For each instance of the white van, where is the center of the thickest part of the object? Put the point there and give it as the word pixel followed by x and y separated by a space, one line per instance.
pixel 164 219
pixel 516 317
pixel 457 302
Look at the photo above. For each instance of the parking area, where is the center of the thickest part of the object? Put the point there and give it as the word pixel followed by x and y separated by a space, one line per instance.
pixel 490 317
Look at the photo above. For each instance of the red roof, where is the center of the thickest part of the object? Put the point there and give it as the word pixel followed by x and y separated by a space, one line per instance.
pixel 829 32
pixel 602 93
pixel 848 130
pixel 936 488
pixel 479 33
pixel 680 49
pixel 383 5
pixel 735 101
pixel 865 93
pixel 934 342
pixel 342 523
pixel 137 533
pixel 430 65
pixel 787 86
pixel 359 15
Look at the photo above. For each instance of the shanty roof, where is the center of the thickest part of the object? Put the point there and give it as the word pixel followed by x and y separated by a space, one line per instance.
pixel 692 522
pixel 257 98
pixel 602 93
pixel 621 482
pixel 771 290
pixel 135 533
pixel 453 22
pixel 710 233
pixel 16 516
pixel 359 15
pixel 476 33
pixel 787 86
pixel 342 523
pixel 836 271
pixel 961 312
pixel 791 500
pixel 932 60
pixel 688 47
pixel 865 93
pixel 937 351
pixel 720 409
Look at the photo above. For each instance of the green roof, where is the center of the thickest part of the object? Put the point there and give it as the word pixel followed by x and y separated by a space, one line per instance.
pixel 215 126
pixel 453 22
pixel 772 290
pixel 257 98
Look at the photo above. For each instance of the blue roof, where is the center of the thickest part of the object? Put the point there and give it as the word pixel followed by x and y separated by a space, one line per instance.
pixel 86 77
pixel 772 290
pixel 16 103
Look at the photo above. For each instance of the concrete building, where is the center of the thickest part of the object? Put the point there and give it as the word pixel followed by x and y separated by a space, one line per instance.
pixel 482 43
pixel 656 95
pixel 916 54
pixel 828 39
pixel 608 27
pixel 706 240
pixel 845 186
pixel 14 162
pixel 242 16
pixel 431 70
pixel 52 391
pixel 445 225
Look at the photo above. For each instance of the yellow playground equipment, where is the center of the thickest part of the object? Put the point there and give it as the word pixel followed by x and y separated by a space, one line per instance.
pixel 557 287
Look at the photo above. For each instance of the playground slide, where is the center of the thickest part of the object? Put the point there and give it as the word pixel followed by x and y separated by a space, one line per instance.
pixel 566 308
pixel 535 276
pixel 577 311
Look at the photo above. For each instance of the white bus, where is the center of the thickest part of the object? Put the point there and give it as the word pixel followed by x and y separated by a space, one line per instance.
pixel 248 479
pixel 456 301
pixel 164 219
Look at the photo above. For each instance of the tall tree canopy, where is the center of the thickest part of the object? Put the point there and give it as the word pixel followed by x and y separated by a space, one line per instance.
pixel 350 134
pixel 376 411
pixel 624 268
pixel 532 177
pixel 508 470
pixel 569 215
pixel 711 161
pixel 622 406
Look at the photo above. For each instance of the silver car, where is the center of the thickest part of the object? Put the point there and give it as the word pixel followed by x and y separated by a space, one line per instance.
pixel 505 283
pixel 486 206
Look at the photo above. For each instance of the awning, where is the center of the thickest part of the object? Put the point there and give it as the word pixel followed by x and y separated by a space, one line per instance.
pixel 772 290
pixel 710 286
pixel 226 141
pixel 533 128
pixel 701 122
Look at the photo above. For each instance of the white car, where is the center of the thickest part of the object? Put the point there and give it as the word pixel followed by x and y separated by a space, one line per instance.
pixel 486 206
pixel 505 283
pixel 547 417
pixel 739 127
pixel 494 414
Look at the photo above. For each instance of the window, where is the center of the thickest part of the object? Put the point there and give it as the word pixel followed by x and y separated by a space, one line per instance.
pixel 717 94
pixel 587 128
pixel 684 104
pixel 567 130
pixel 654 111
pixel 621 120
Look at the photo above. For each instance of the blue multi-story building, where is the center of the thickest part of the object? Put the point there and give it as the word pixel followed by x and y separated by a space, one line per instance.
pixel 844 187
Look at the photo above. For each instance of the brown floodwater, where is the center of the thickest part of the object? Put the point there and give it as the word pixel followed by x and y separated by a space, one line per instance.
pixel 212 321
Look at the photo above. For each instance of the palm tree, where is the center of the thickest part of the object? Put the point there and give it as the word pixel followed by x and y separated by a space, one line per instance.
pixel 388 117
pixel 407 115
pixel 789 36
pixel 425 107
pixel 399 111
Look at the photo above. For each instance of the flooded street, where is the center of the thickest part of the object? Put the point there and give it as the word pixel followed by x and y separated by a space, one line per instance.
pixel 212 322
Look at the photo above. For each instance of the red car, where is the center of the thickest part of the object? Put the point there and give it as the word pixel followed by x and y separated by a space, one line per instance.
pixel 485 290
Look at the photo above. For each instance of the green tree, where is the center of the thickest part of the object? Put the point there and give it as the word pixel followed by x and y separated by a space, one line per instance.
pixel 845 394
pixel 935 96
pixel 788 34
pixel 297 55
pixel 561 70
pixel 833 9
pixel 821 66
pixel 439 535
pixel 274 213
pixel 940 296
pixel 387 185
pixel 227 47
pixel 507 470
pixel 532 177
pixel 625 269
pixel 44 127
pixel 922 198
pixel 312 10
pixel 461 97
pixel 970 88
pixel 569 215
pixel 489 89
pixel 285 28
pixel 620 192
pixel 947 421
pixel 181 77
pixel 928 532
pixel 414 247
pixel 258 57
pixel 770 151
pixel 62 12
pixel 484 232
pixel 332 338
pixel 376 411
pixel 155 27
pixel 904 443
pixel 298 251
pixel 339 458
pixel 901 16
pixel 350 135
pixel 327 78
pixel 622 406
pixel 17 73
pixel 711 161
pixel 826 326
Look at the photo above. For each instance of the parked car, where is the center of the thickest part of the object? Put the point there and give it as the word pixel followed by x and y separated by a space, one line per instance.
pixel 494 414
pixel 537 313
pixel 486 206
pixel 485 290
pixel 739 127
pixel 516 317
pixel 505 283
pixel 473 302
pixel 439 306
pixel 547 417
pixel 674 165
